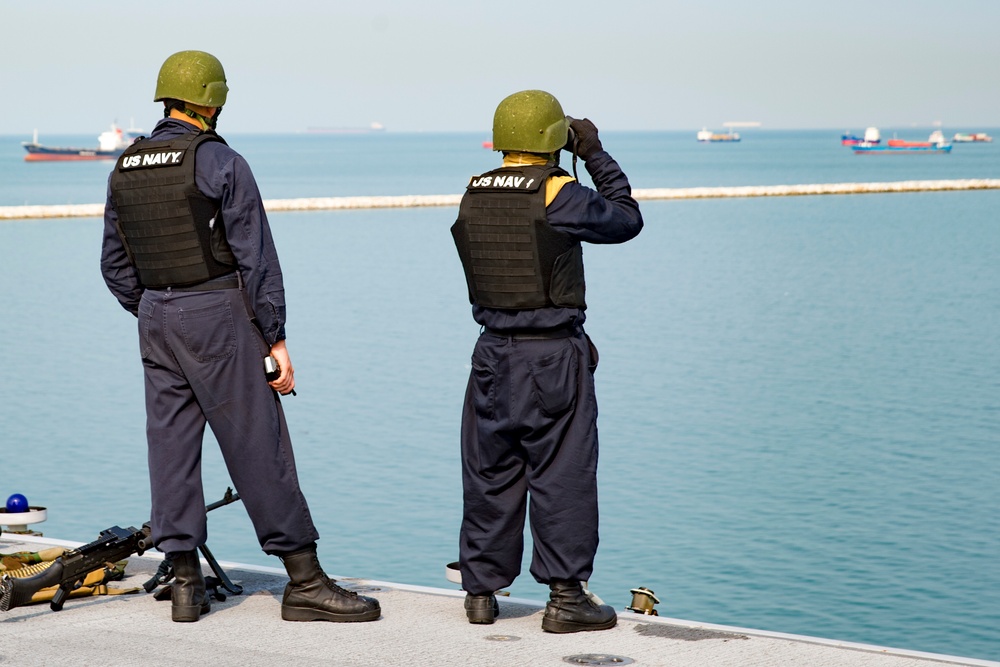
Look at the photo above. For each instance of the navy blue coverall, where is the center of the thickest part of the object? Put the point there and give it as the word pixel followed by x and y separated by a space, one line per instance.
pixel 529 423
pixel 202 358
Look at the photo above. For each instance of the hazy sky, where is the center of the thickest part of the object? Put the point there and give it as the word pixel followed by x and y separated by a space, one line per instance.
pixel 69 66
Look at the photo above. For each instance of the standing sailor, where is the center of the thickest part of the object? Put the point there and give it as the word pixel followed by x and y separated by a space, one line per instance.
pixel 188 250
pixel 529 425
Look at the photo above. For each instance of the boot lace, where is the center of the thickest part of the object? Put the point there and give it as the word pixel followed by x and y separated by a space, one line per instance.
pixel 333 586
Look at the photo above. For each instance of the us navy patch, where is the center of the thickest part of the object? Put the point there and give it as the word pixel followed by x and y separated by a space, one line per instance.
pixel 507 181
pixel 152 159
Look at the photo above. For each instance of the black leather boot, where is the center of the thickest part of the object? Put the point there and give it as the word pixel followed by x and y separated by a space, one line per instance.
pixel 570 609
pixel 481 608
pixel 188 599
pixel 313 596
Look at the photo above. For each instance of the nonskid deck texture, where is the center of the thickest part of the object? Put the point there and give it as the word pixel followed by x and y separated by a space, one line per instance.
pixel 419 626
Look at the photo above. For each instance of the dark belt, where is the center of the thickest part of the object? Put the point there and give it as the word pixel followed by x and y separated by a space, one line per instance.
pixel 534 334
pixel 225 282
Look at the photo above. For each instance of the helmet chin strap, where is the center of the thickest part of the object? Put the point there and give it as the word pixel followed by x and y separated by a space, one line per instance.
pixel 206 122
pixel 554 159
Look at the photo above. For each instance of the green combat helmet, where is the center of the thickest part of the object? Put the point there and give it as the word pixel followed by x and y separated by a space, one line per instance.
pixel 192 76
pixel 531 121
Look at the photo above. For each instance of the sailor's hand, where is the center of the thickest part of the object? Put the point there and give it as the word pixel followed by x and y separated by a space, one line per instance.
pixel 285 383
pixel 587 141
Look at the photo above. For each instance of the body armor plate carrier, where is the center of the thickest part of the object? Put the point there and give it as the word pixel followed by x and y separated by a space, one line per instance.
pixel 173 234
pixel 513 258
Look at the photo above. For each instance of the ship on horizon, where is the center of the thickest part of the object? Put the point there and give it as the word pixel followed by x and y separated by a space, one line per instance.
pixel 871 137
pixel 111 144
pixel 935 143
pixel 706 135
pixel 374 127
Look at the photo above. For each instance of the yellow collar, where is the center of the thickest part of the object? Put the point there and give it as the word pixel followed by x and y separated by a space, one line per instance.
pixel 518 159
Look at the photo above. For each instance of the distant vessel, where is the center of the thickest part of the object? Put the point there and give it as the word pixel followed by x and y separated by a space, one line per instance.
pixel 936 138
pixel 975 137
pixel 935 144
pixel 374 127
pixel 111 144
pixel 872 136
pixel 707 135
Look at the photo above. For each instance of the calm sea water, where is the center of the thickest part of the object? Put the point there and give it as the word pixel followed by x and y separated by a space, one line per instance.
pixel 800 397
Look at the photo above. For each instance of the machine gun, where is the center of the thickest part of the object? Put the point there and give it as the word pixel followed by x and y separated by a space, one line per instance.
pixel 112 545
pixel 67 571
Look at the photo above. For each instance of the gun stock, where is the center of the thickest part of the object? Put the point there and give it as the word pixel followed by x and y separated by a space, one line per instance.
pixel 67 571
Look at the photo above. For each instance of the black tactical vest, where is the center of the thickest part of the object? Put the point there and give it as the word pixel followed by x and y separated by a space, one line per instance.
pixel 173 234
pixel 513 258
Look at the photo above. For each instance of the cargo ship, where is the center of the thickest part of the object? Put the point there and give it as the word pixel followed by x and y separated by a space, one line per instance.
pixel 374 127
pixel 111 144
pixel 975 137
pixel 871 136
pixel 707 135
pixel 935 144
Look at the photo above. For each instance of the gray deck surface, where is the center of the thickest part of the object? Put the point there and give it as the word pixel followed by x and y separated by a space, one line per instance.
pixel 419 626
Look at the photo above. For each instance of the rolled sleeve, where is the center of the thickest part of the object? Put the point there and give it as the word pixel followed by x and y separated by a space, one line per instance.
pixel 607 215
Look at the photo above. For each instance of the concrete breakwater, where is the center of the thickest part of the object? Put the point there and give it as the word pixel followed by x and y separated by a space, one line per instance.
pixel 413 201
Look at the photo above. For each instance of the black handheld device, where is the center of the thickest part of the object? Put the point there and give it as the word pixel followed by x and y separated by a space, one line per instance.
pixel 271 369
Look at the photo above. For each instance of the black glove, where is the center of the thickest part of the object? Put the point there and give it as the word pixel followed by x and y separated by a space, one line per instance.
pixel 587 141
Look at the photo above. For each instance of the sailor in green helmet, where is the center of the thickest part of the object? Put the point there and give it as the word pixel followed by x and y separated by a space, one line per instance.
pixel 188 250
pixel 193 83
pixel 529 424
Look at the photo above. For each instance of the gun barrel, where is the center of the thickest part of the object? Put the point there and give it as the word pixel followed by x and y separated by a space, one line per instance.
pixel 229 497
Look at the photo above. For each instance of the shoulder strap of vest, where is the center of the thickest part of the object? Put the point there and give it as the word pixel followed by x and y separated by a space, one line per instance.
pixel 215 135
pixel 208 135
